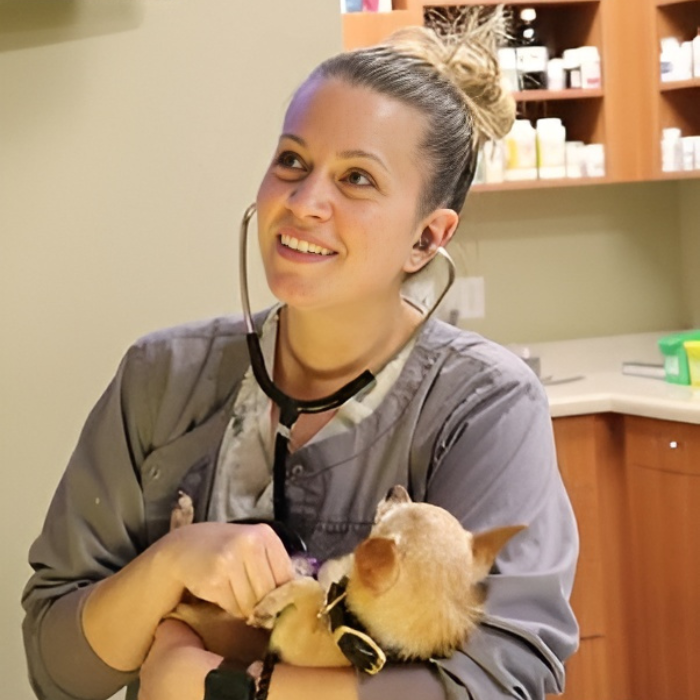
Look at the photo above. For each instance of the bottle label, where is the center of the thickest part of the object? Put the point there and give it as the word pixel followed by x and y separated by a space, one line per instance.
pixel 532 59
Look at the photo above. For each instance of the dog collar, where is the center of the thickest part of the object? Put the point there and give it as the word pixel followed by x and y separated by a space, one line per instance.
pixel 349 633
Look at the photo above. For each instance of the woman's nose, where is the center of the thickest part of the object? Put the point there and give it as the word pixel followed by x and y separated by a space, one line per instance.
pixel 310 198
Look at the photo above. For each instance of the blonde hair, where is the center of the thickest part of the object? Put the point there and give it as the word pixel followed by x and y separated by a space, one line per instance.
pixel 450 74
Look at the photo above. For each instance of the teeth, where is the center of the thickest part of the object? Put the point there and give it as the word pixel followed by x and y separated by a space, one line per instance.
pixel 304 246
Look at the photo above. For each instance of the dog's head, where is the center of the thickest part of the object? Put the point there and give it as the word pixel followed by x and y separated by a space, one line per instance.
pixel 416 582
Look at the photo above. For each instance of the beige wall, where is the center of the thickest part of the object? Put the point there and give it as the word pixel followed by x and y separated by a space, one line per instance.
pixel 576 262
pixel 690 242
pixel 133 134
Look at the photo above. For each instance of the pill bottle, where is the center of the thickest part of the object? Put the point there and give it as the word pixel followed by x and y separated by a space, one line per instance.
pixel 551 149
pixel 589 56
pixel 494 159
pixel 670 59
pixel 684 70
pixel 688 153
pixel 594 160
pixel 531 52
pixel 508 64
pixel 574 158
pixel 521 151
pixel 671 150
pixel 556 76
pixel 572 69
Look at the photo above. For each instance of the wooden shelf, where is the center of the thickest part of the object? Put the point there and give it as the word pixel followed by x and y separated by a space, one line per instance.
pixel 680 175
pixel 539 184
pixel 552 95
pixel 680 85
pixel 666 3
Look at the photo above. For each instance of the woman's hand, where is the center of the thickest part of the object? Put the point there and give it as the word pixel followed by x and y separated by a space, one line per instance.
pixel 233 566
pixel 176 665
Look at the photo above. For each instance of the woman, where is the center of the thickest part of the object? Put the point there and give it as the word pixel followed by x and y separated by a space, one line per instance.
pixel 371 170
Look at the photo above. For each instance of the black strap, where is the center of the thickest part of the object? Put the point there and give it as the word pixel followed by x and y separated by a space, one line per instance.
pixel 228 682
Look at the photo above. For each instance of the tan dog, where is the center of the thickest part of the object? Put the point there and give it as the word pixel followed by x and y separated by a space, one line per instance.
pixel 414 591
pixel 414 586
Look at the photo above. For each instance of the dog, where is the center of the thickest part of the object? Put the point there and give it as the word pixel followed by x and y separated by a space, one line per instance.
pixel 414 589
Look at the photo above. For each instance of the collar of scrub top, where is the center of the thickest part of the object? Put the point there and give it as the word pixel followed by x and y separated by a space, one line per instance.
pixel 419 290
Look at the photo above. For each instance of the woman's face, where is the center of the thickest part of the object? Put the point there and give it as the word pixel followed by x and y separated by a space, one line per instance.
pixel 337 208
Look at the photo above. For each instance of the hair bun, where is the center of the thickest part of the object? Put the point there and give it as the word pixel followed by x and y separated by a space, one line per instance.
pixel 464 49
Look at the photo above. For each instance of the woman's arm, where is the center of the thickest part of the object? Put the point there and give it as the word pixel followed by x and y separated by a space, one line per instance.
pixel 233 566
pixel 98 590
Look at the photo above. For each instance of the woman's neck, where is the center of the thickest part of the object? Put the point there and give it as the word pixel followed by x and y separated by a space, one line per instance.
pixel 320 351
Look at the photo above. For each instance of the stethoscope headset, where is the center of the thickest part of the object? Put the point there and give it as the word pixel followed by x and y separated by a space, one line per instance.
pixel 291 408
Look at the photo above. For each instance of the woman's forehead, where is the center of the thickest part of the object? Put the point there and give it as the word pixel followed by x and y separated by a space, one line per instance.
pixel 353 117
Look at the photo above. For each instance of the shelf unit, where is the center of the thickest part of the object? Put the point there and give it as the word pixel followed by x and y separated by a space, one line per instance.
pixel 630 112
pixel 675 104
pixel 565 24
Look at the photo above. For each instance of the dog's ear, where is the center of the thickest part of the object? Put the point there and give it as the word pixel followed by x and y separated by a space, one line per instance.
pixel 396 495
pixel 487 545
pixel 377 563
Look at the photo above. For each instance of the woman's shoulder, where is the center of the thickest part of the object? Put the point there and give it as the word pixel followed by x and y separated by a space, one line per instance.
pixel 220 328
pixel 472 361
pixel 187 361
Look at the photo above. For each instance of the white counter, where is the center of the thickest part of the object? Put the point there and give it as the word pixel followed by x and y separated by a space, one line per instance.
pixel 602 387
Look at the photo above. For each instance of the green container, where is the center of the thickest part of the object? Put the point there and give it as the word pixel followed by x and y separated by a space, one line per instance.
pixel 675 357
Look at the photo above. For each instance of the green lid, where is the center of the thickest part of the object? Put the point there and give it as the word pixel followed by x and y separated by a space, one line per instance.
pixel 675 357
pixel 674 342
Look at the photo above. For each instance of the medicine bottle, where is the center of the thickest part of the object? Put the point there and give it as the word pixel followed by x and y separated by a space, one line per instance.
pixel 572 69
pixel 551 149
pixel 521 152
pixel 531 52
pixel 671 150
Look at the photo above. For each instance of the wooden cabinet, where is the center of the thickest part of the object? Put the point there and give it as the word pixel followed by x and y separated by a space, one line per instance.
pixel 630 111
pixel 635 487
pixel 589 453
pixel 663 473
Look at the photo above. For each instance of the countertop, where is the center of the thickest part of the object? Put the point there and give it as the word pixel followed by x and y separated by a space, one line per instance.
pixel 600 385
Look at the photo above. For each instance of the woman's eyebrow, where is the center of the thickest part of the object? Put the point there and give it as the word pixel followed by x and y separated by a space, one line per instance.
pixel 353 153
pixel 294 137
pixel 358 153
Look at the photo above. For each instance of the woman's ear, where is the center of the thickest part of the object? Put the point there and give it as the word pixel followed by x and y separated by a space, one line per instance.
pixel 436 231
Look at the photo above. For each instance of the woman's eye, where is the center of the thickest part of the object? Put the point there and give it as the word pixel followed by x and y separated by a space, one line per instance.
pixel 358 178
pixel 287 159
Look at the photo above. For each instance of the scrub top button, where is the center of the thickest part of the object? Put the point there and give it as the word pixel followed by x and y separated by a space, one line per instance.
pixel 297 470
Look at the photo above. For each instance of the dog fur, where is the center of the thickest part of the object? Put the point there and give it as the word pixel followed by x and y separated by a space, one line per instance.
pixel 416 584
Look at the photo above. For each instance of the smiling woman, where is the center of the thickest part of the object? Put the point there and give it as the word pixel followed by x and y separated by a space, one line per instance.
pixel 371 170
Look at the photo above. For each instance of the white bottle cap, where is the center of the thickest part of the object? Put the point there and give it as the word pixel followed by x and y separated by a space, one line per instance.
pixel 529 14
pixel 588 53
pixel 571 58
pixel 671 134
pixel 549 123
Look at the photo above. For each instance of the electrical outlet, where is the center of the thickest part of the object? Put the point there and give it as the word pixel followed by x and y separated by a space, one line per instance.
pixel 470 297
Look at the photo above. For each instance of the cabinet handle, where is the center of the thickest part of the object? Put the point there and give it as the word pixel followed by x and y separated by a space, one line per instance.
pixel 673 444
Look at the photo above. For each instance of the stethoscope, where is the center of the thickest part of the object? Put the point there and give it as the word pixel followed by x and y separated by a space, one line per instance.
pixel 291 408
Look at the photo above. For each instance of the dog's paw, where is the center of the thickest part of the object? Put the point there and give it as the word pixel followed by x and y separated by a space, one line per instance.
pixel 266 611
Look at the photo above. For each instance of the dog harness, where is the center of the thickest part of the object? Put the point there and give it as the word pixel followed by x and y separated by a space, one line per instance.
pixel 351 636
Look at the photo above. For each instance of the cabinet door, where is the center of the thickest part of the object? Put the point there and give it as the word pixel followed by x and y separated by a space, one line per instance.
pixel 577 449
pixel 663 471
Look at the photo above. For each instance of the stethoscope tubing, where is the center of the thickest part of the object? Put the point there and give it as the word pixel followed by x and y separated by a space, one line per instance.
pixel 291 408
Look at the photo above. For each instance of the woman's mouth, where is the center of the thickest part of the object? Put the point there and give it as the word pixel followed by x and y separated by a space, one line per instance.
pixel 303 246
